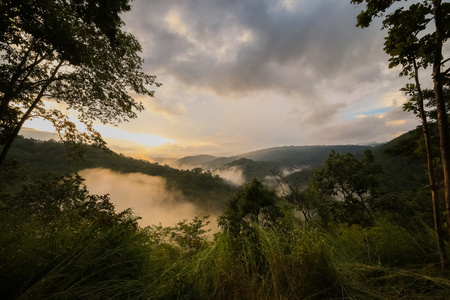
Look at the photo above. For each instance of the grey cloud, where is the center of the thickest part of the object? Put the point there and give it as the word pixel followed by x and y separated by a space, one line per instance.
pixel 319 114
pixel 167 106
pixel 369 129
pixel 290 51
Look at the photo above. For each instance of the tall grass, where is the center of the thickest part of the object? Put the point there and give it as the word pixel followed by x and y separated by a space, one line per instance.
pixel 385 261
pixel 278 267
pixel 108 264
pixel 343 262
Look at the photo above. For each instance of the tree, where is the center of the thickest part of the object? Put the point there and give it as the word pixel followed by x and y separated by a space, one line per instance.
pixel 72 52
pixel 252 208
pixel 410 51
pixel 413 44
pixel 58 241
pixel 255 204
pixel 350 181
pixel 416 104
pixel 291 189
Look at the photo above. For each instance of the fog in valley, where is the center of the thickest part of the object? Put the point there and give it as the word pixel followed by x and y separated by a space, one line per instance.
pixel 146 195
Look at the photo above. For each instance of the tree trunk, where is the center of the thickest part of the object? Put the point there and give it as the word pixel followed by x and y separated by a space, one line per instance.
pixel 431 173
pixel 10 139
pixel 440 105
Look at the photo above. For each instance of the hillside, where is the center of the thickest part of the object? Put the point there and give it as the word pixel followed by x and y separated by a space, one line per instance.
pixel 403 165
pixel 35 156
pixel 196 160
pixel 402 168
pixel 287 156
pixel 302 156
pixel 267 162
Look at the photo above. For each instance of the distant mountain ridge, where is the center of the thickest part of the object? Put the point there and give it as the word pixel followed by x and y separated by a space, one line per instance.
pixel 288 156
pixel 196 159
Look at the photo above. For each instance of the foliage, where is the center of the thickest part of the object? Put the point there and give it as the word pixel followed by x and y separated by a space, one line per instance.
pixel 189 237
pixel 73 52
pixel 253 205
pixel 352 182
pixel 58 241
pixel 416 37
pixel 203 188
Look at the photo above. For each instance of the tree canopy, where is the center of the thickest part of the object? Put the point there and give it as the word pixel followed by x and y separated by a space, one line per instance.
pixel 253 204
pixel 74 53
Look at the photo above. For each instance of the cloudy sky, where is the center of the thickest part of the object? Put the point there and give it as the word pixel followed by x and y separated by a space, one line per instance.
pixel 241 75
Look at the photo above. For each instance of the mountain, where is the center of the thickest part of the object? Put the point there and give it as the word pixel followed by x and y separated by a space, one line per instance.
pixel 265 163
pixel 301 156
pixel 403 165
pixel 287 156
pixel 195 160
pixel 35 157
pixel 403 168
pixel 207 162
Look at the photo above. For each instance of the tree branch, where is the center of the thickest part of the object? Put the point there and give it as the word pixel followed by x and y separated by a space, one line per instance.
pixel 26 115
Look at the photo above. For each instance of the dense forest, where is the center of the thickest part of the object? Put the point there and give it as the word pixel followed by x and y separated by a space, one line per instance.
pixel 363 232
pixel 310 222
pixel 50 156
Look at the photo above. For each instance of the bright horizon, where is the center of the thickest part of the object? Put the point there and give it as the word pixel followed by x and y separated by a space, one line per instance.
pixel 240 76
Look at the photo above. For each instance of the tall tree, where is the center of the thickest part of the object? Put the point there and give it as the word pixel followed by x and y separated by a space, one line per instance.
pixel 429 19
pixel 73 52
pixel 411 52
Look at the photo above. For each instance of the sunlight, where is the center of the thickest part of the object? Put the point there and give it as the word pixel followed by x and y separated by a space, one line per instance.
pixel 395 123
pixel 40 124
pixel 141 138
pixel 174 22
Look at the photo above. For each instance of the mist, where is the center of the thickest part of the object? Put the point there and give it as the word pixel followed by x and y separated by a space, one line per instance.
pixel 146 195
pixel 234 175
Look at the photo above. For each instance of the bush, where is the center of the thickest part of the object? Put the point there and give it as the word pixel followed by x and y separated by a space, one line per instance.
pixel 57 242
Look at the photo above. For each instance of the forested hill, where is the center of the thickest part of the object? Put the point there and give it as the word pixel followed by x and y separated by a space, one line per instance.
pixel 404 162
pixel 403 169
pixel 264 163
pixel 286 157
pixel 36 156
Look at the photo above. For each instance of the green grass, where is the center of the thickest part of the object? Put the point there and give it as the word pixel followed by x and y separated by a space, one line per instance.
pixel 343 262
pixel 71 256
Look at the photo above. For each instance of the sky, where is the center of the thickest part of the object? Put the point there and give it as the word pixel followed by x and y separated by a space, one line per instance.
pixel 242 75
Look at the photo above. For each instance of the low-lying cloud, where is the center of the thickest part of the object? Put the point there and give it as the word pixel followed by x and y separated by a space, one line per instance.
pixel 146 195
pixel 234 175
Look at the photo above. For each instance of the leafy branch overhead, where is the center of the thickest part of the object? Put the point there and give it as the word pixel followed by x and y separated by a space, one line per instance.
pixel 71 52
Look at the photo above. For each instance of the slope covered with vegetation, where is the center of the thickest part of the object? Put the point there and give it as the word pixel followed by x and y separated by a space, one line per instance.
pixel 50 156
pixel 60 242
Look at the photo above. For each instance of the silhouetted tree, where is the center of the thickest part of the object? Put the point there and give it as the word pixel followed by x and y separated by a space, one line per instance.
pixel 73 52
